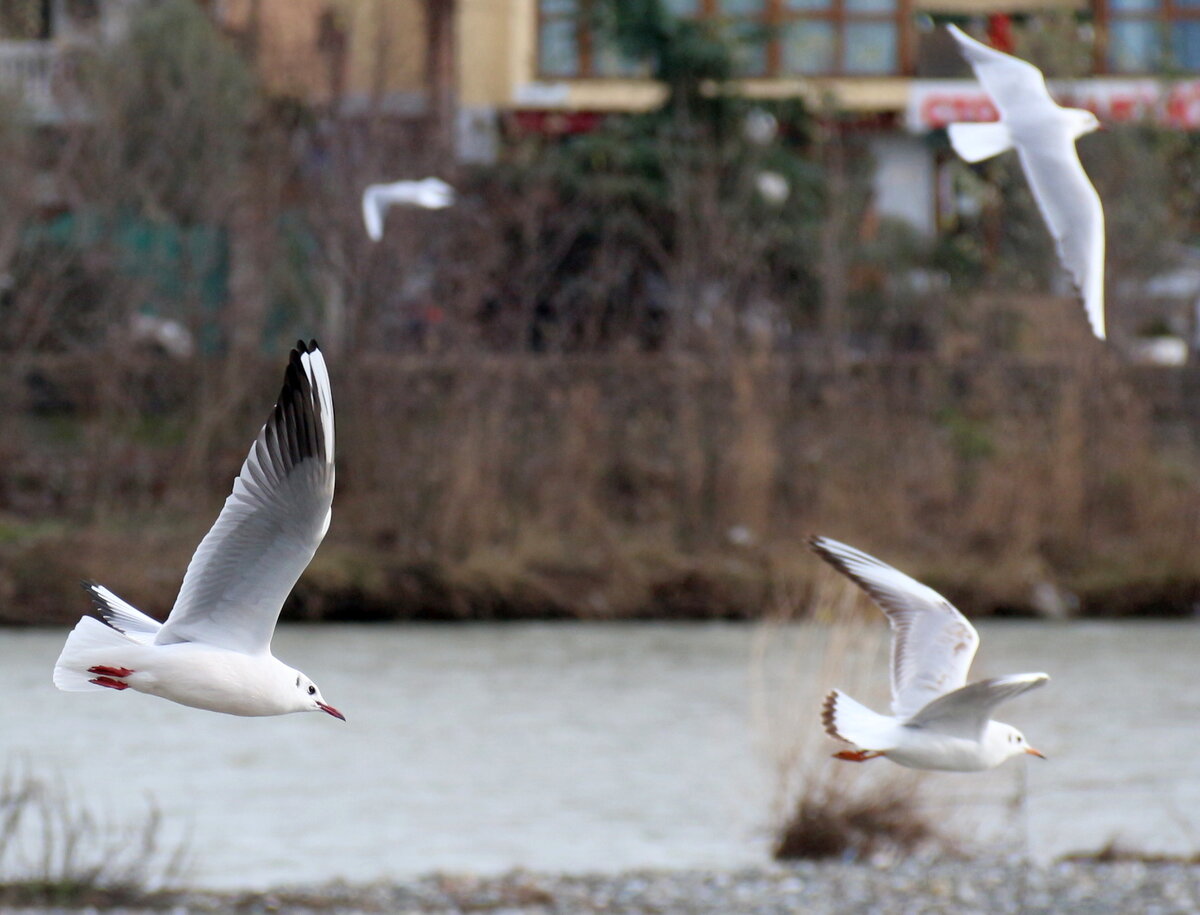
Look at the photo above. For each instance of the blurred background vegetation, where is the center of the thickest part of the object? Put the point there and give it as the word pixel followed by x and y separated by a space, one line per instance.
pixel 624 377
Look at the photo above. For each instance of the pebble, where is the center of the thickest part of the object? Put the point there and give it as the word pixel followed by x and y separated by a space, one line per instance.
pixel 909 888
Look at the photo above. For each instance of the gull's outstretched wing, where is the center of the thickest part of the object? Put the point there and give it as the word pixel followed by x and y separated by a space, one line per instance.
pixel 966 712
pixel 372 209
pixel 1016 87
pixel 932 643
pixel 271 524
pixel 1072 210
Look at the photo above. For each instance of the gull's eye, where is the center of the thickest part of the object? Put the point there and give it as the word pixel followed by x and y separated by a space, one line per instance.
pixel 312 690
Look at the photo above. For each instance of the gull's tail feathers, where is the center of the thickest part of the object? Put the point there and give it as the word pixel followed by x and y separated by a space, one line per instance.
pixel 976 142
pixel 90 643
pixel 122 615
pixel 852 722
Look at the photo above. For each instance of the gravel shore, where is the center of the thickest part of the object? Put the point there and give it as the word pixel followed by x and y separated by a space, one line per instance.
pixel 957 887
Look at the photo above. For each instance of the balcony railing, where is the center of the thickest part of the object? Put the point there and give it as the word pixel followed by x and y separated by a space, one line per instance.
pixel 28 73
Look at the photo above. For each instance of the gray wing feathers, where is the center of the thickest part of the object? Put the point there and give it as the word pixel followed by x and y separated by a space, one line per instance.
pixel 1071 207
pixel 1012 83
pixel 271 523
pixel 932 643
pixel 965 712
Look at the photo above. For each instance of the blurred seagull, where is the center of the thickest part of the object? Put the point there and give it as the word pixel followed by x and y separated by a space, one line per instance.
pixel 429 194
pixel 936 721
pixel 1044 136
pixel 214 650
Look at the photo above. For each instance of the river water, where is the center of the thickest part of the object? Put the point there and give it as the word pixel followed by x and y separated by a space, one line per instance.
pixel 584 747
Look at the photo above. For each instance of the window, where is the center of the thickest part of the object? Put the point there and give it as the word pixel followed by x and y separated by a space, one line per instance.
pixel 571 44
pixel 745 23
pixel 772 37
pixel 1145 36
pixel 25 20
pixel 850 37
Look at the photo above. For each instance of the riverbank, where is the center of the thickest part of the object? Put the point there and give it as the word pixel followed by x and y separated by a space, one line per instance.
pixel 958 887
pixel 627 487
pixel 541 578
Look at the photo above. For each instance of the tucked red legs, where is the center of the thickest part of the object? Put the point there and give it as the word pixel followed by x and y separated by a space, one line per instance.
pixel 851 755
pixel 110 682
pixel 107 675
pixel 111 671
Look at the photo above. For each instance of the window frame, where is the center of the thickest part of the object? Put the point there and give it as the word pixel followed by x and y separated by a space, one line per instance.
pixel 1164 18
pixel 774 18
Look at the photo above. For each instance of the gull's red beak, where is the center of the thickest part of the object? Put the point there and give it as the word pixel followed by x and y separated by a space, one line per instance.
pixel 330 710
pixel 1030 750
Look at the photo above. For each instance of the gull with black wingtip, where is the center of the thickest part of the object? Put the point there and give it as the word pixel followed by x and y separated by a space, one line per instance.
pixel 938 720
pixel 214 650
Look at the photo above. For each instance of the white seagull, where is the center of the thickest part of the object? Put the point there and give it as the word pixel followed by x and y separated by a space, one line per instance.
pixel 1044 136
pixel 937 722
pixel 429 194
pixel 214 650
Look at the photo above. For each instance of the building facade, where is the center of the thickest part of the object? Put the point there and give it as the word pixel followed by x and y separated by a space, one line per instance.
pixel 547 64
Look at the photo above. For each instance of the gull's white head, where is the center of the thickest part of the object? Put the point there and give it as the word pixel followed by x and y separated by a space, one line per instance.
pixel 307 698
pixel 1003 741
pixel 1082 121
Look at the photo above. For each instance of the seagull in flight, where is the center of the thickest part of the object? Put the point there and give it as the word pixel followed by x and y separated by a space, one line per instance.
pixel 214 650
pixel 428 194
pixel 938 720
pixel 1044 135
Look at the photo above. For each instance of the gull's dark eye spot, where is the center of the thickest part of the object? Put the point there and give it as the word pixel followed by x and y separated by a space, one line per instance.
pixel 297 681
pixel 312 690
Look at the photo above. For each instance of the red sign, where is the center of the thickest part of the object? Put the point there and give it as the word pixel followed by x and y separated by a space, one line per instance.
pixel 936 103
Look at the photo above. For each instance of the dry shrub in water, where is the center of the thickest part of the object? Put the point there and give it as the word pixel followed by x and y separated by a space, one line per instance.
pixel 830 821
pixel 56 849
pixel 824 808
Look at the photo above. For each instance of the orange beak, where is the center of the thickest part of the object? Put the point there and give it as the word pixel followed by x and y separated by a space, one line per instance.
pixel 1032 752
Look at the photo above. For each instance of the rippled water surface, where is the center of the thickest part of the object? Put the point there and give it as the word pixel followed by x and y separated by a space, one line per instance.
pixel 592 747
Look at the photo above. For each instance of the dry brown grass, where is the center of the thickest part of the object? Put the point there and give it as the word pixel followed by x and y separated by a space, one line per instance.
pixel 623 485
pixel 55 849
pixel 863 825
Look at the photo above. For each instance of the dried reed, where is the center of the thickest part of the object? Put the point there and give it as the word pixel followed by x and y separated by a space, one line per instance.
pixel 56 849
